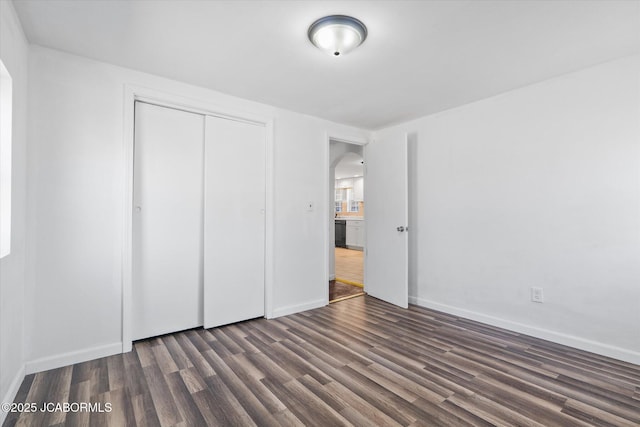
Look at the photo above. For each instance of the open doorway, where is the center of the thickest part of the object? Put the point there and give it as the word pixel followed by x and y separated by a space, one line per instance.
pixel 348 219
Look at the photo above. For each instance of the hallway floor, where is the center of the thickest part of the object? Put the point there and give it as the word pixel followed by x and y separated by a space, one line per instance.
pixel 339 291
pixel 350 265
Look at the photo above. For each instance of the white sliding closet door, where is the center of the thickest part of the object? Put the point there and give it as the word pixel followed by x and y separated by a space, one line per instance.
pixel 234 235
pixel 167 221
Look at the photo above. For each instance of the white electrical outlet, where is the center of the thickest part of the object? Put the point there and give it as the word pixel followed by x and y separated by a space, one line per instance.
pixel 536 294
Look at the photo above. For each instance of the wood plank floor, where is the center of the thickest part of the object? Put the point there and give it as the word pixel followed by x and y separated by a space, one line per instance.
pixel 350 265
pixel 358 362
pixel 339 291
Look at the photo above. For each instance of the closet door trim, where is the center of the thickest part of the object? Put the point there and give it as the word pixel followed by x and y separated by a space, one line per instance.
pixel 201 111
pixel 133 93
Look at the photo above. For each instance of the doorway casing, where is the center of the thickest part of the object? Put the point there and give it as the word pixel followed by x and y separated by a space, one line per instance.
pixel 329 207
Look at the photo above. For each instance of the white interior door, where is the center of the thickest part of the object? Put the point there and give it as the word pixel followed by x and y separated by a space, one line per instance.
pixel 167 221
pixel 234 235
pixel 386 195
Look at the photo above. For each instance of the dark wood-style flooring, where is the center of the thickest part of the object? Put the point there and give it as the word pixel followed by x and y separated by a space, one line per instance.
pixel 360 362
pixel 339 291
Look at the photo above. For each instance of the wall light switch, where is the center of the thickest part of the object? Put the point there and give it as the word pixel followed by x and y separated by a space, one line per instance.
pixel 537 295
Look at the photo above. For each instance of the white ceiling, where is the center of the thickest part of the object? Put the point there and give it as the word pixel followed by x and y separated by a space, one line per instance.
pixel 420 57
pixel 349 166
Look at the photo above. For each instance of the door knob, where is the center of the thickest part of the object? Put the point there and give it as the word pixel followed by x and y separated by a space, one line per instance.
pixel 400 229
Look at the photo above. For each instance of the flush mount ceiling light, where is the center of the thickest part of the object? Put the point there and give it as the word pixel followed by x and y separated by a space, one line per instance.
pixel 337 34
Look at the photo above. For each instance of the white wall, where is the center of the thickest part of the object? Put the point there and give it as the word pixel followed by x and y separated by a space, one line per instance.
pixel 77 163
pixel 14 54
pixel 536 187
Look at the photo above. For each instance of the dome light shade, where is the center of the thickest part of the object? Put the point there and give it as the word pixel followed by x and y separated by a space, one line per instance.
pixel 337 34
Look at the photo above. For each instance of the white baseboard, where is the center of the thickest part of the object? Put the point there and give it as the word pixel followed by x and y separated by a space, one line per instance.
pixel 292 309
pixel 65 359
pixel 13 390
pixel 545 334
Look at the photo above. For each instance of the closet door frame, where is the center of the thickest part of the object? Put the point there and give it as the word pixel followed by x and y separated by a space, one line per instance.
pixel 134 93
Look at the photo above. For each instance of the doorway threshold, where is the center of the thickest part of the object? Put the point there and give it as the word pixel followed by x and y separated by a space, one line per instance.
pixel 340 291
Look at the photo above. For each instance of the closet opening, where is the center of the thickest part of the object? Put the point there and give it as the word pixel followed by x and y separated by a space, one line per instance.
pixel 198 243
